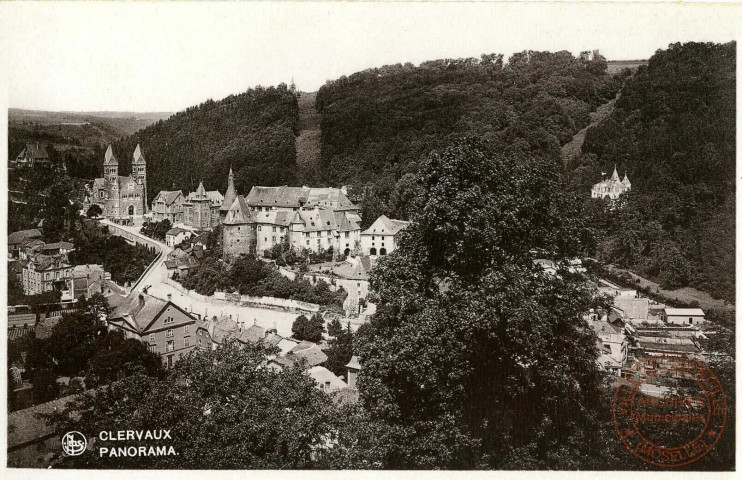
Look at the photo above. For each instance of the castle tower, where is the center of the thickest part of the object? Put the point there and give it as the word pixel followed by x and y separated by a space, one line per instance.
pixel 139 172
pixel 229 197
pixel 239 231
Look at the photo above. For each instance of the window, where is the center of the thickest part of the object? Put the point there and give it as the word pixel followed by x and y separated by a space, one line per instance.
pixel 187 342
pixel 169 320
pixel 307 242
pixel 170 346
pixel 274 239
pixel 187 329
pixel 260 228
pixel 151 337
pixel 690 320
pixel 169 333
pixel 274 229
pixel 153 348
pixel 319 241
pixel 347 234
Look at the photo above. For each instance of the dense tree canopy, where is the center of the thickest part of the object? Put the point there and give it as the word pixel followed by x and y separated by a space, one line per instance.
pixel 377 124
pixel 673 132
pixel 473 358
pixel 253 133
pixel 224 409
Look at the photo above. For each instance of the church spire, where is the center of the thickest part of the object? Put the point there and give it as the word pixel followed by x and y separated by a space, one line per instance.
pixel 138 157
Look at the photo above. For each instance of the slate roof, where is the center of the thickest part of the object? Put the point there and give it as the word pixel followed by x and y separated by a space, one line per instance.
pixel 293 197
pixel 322 376
pixel 309 351
pixel 138 156
pixel 46 262
pixel 175 231
pixel 58 245
pixel 23 235
pixel 222 329
pixel 281 217
pixel 357 268
pixel 386 226
pixel 239 213
pixel 110 158
pixel 139 311
pixel 316 220
pixel 633 308
pixel 354 363
pixel 231 194
pixel 36 151
pixel 25 426
pixel 252 334
pixel 168 196
pixel 272 339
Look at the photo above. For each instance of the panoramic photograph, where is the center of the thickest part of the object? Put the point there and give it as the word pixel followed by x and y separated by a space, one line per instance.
pixel 370 237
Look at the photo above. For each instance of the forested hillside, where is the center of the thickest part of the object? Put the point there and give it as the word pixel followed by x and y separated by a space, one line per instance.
pixel 673 132
pixel 253 132
pixel 378 124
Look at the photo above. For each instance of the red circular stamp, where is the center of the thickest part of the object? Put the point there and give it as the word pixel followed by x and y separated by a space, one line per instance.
pixel 670 410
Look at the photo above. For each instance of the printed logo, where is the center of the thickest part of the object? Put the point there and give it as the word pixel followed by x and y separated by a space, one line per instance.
pixel 74 443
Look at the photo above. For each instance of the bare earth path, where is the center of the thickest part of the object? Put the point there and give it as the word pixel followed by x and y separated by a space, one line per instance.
pixel 572 149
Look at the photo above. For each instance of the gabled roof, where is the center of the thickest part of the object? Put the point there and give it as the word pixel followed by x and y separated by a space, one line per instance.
pixel 138 157
pixel 324 377
pixel 139 311
pixel 252 334
pixel 309 351
pixel 47 262
pixel 168 196
pixel 316 219
pixel 35 151
pixel 110 158
pixel 279 217
pixel 58 245
pixel 385 226
pixel 23 235
pixel 175 231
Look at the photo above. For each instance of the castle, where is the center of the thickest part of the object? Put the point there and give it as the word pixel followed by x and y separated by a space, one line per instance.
pixel 314 219
pixel 613 187
pixel 118 196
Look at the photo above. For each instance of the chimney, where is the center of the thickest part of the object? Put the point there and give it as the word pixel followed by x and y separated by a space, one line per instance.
pixel 141 300
pixel 169 297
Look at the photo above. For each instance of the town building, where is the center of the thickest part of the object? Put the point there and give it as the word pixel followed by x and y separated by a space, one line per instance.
pixel 326 380
pixel 88 279
pixel 164 327
pixel 351 274
pixel 34 155
pixel 683 316
pixel 17 239
pixel 381 238
pixel 168 205
pixel 46 273
pixel 612 188
pixel 239 231
pixel 175 236
pixel 201 208
pixel 118 196
pixel 613 346
pixel 265 199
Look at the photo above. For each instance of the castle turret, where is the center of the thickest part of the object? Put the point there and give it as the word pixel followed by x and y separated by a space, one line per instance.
pixel 229 197
pixel 139 172
pixel 239 231
pixel 625 182
pixel 614 177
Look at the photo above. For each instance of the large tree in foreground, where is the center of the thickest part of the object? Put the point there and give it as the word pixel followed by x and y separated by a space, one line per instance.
pixel 475 358
pixel 224 410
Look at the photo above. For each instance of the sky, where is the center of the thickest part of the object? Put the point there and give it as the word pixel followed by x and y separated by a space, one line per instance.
pixel 165 57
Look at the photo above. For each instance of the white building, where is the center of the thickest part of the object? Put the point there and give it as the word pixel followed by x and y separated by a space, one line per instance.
pixel 176 235
pixel 683 316
pixel 381 237
pixel 612 188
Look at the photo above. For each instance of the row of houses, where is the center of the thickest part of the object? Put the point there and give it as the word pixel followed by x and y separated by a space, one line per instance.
pixel 637 327
pixel 171 332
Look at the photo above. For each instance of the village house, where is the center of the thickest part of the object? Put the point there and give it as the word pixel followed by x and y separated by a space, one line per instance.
pixel 30 248
pixel 352 275
pixel 34 155
pixel 613 346
pixel 175 236
pixel 57 248
pixel 168 205
pixel 89 279
pixel 17 239
pixel 683 316
pixel 118 196
pixel 612 188
pixel 381 237
pixel 326 381
pixel 164 327
pixel 45 273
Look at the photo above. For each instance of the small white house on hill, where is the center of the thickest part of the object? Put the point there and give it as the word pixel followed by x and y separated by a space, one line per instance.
pixel 684 316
